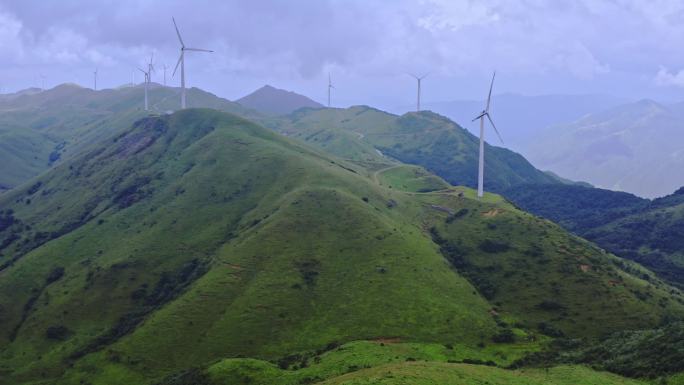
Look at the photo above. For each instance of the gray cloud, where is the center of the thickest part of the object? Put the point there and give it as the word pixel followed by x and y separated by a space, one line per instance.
pixel 538 46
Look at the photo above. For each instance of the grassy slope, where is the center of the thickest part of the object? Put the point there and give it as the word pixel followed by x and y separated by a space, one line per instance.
pixel 410 178
pixel 238 242
pixel 66 119
pixel 418 373
pixel 424 138
pixel 376 363
pixel 649 232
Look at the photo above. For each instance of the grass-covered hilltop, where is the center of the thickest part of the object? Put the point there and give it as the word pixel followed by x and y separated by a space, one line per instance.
pixel 199 247
pixel 650 232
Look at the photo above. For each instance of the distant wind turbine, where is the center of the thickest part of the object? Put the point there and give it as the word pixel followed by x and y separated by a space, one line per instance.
pixel 330 86
pixel 95 79
pixel 419 79
pixel 164 75
pixel 147 81
pixel 485 114
pixel 181 61
pixel 42 82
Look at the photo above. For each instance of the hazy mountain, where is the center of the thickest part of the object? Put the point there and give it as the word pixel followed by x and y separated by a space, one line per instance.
pixel 427 139
pixel 13 95
pixel 522 118
pixel 270 100
pixel 201 244
pixel 635 147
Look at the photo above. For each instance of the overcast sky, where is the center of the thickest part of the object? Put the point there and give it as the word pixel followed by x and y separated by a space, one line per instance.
pixel 629 48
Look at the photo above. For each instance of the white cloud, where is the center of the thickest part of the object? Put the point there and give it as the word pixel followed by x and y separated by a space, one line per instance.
pixel 666 78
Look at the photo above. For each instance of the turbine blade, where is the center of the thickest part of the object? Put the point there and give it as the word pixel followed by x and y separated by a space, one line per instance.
pixel 489 98
pixel 479 116
pixel 142 70
pixel 493 125
pixel 180 58
pixel 178 32
pixel 424 76
pixel 198 49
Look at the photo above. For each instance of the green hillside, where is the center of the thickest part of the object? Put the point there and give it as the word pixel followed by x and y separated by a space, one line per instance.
pixel 647 231
pixel 382 363
pixel 41 129
pixel 195 237
pixel 425 138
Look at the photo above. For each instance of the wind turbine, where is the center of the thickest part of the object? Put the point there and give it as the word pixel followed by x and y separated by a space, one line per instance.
pixel 419 79
pixel 95 79
pixel 483 114
pixel 147 80
pixel 42 82
pixel 330 86
pixel 181 61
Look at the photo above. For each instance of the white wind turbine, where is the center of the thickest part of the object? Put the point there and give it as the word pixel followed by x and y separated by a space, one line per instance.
pixel 419 79
pixel 483 114
pixel 147 81
pixel 330 86
pixel 181 61
pixel 95 79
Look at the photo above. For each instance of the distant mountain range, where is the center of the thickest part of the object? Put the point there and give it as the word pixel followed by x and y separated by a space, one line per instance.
pixel 636 147
pixel 521 118
pixel 274 101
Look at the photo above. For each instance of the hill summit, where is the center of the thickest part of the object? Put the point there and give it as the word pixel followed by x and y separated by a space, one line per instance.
pixel 275 101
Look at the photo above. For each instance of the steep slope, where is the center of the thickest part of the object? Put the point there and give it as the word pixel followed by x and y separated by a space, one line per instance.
pixel 648 232
pixel 424 138
pixel 271 100
pixel 199 236
pixel 40 129
pixel 634 147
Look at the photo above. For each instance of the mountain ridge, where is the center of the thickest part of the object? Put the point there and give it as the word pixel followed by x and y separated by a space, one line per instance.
pixel 275 101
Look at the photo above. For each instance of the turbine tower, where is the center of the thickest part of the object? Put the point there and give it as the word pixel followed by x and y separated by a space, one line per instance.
pixel 419 79
pixel 164 75
pixel 330 86
pixel 95 79
pixel 181 61
pixel 485 114
pixel 147 80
